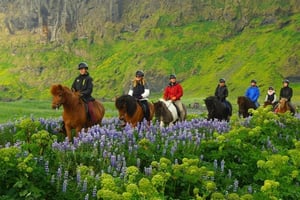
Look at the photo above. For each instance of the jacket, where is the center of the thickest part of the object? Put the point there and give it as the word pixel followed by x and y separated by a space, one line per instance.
pixel 84 84
pixel 221 92
pixel 173 90
pixel 253 93
pixel 140 91
pixel 286 92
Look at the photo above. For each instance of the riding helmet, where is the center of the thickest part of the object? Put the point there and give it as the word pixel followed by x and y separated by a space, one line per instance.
pixel 222 80
pixel 83 65
pixel 139 73
pixel 253 81
pixel 271 88
pixel 172 76
pixel 286 81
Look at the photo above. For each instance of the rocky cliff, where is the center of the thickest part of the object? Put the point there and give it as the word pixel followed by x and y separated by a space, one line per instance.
pixel 53 19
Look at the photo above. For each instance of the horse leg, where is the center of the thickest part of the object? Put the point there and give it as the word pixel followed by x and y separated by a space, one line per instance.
pixel 91 113
pixel 68 131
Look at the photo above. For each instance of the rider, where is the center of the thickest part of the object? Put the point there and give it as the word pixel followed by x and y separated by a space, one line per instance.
pixel 221 93
pixel 84 84
pixel 253 93
pixel 174 92
pixel 271 95
pixel 139 89
pixel 287 92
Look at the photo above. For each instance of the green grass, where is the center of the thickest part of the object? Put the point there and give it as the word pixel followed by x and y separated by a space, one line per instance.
pixel 14 110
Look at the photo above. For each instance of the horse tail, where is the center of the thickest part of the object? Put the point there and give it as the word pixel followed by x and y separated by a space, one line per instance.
pixel 151 109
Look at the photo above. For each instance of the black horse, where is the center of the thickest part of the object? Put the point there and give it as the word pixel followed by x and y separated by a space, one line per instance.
pixel 245 104
pixel 217 109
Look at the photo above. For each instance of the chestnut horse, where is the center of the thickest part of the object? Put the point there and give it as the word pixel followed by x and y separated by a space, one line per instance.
pixel 75 111
pixel 131 111
pixel 245 104
pixel 284 106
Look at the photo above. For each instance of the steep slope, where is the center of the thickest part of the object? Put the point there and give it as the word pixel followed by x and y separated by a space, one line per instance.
pixel 200 41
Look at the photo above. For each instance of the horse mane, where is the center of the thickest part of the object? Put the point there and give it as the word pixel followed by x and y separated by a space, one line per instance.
pixel 283 104
pixel 210 101
pixel 162 110
pixel 129 102
pixel 61 90
pixel 160 107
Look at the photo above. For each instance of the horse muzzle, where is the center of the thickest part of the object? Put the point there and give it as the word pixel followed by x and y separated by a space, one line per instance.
pixel 56 106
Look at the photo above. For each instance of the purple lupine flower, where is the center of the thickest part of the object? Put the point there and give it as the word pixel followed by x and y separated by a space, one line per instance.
pixel 235 185
pixel 64 187
pixel 222 165
pixel 216 164
pixel 86 197
pixel 94 193
pixel 47 167
pixel 78 177
pixel 113 161
pixel 59 173
pixel 84 186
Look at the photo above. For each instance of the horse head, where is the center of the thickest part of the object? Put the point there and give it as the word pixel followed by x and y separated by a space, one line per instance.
pixel 158 109
pixel 57 92
pixel 126 105
pixel 283 105
pixel 211 103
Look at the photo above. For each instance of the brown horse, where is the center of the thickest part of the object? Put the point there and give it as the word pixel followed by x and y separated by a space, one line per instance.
pixel 284 106
pixel 131 111
pixel 244 104
pixel 75 111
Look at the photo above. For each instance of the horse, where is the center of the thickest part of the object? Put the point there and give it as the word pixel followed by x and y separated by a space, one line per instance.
pixel 131 111
pixel 166 112
pixel 74 109
pixel 216 109
pixel 244 104
pixel 284 106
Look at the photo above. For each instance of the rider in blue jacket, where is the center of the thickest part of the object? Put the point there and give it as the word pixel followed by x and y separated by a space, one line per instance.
pixel 253 93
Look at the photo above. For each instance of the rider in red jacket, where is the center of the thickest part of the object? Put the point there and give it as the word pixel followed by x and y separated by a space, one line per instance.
pixel 174 92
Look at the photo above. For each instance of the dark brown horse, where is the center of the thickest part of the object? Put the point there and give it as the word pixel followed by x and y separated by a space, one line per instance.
pixel 284 106
pixel 166 112
pixel 131 111
pixel 217 110
pixel 75 113
pixel 245 104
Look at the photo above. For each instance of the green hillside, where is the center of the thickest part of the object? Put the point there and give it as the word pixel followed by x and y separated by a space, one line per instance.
pixel 199 53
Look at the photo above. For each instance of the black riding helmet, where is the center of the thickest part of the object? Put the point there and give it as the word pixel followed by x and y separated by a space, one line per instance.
pixel 139 73
pixel 83 65
pixel 222 80
pixel 286 81
pixel 172 76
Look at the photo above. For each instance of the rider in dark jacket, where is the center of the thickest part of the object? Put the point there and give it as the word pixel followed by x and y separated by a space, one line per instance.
pixel 286 91
pixel 222 92
pixel 84 84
